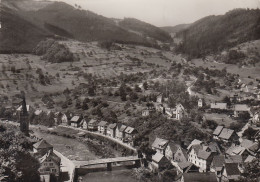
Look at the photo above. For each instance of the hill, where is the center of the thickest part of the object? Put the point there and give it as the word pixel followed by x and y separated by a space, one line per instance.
pixel 214 33
pixel 175 29
pixel 36 20
pixel 145 29
pixel 18 34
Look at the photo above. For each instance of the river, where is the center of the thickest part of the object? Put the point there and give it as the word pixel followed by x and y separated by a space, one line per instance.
pixel 75 150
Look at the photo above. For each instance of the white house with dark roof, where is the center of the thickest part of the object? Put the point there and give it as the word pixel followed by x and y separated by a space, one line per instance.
pixel 179 112
pixel 50 164
pixel 200 157
pixel 102 127
pixel 160 145
pixel 75 121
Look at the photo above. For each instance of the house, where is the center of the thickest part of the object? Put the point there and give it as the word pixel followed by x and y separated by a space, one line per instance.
pixel 233 159
pixel 64 119
pixel 102 127
pixel 186 167
pixel 145 112
pixel 240 108
pixel 255 118
pixel 217 132
pixel 159 98
pixel 120 131
pixel 38 112
pixel 160 145
pixel 50 164
pixel 199 177
pixel 217 165
pixel 159 162
pixel 92 125
pixel 42 147
pixel 239 151
pixel 111 130
pixel 178 112
pixel 194 142
pixel 175 152
pixel 84 124
pixel 218 107
pixel 169 111
pixel 235 97
pixel 228 135
pixel 230 172
pixel 200 157
pixel 75 121
pixel 200 103
pixel 130 133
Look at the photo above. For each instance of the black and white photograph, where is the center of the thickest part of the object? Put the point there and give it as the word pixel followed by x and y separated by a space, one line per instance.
pixel 129 91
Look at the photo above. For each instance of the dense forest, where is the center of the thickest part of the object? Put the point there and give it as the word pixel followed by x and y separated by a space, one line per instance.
pixel 214 33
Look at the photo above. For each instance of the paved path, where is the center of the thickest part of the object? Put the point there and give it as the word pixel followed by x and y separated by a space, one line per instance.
pixel 66 166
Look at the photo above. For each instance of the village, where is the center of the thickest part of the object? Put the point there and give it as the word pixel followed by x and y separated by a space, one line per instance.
pixel 220 159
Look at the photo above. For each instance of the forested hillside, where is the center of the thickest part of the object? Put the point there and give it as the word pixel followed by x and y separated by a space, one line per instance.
pixel 214 33
pixel 18 34
pixel 60 20
pixel 145 29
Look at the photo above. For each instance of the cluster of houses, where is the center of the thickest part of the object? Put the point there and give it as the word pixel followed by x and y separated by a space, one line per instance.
pixel 207 161
pixel 115 130
pixel 50 162
pixel 238 110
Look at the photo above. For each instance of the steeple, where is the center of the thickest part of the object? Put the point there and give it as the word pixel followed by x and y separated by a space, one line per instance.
pixel 24 108
pixel 23 117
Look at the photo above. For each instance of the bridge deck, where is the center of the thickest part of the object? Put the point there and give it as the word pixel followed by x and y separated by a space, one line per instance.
pixel 104 161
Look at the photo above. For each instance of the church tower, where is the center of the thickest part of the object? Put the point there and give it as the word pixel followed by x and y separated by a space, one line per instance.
pixel 23 118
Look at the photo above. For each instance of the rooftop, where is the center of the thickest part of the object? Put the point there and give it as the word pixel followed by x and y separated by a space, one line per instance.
pixel 160 143
pixel 232 169
pixel 42 144
pixel 199 177
pixel 157 157
pixel 226 133
pixel 241 107
pixel 218 130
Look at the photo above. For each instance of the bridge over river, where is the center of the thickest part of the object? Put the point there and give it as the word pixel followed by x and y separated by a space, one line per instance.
pixel 108 162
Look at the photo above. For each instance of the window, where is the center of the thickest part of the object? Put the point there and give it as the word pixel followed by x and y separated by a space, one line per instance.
pixel 53 170
pixel 51 164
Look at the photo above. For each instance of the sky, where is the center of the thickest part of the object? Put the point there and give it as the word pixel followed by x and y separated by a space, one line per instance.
pixel 163 12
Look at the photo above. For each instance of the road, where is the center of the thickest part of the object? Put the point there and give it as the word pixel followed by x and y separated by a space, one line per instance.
pixel 66 166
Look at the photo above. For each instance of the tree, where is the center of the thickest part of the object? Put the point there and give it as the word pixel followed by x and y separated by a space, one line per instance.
pixel 137 88
pixel 145 85
pixel 251 172
pixel 226 99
